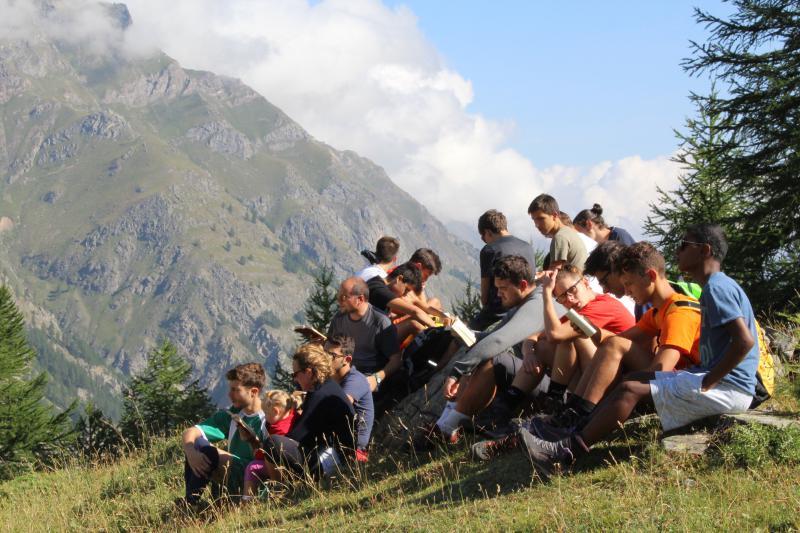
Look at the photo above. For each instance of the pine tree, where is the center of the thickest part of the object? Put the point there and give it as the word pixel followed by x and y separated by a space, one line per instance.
pixel 95 435
pixel 163 398
pixel 321 305
pixel 703 193
pixel 469 305
pixel 755 57
pixel 29 430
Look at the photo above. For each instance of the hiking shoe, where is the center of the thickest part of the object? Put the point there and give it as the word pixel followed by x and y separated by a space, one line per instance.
pixel 543 430
pixel 486 449
pixel 545 456
pixel 432 436
pixel 568 418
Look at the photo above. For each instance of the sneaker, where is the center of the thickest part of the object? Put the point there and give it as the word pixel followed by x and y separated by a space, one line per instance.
pixel 540 428
pixel 486 449
pixel 546 456
pixel 568 418
pixel 432 436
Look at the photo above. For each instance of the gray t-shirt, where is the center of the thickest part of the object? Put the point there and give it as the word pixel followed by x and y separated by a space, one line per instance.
pixel 355 384
pixel 374 335
pixel 499 248
pixel 567 246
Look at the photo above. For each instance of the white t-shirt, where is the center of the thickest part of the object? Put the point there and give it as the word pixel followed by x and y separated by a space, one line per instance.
pixel 370 271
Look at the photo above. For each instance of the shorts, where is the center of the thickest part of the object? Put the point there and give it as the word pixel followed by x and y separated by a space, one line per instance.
pixel 679 400
pixel 506 365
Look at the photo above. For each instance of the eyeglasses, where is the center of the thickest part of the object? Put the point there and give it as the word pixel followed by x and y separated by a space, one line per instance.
pixel 686 243
pixel 604 280
pixel 294 374
pixel 571 290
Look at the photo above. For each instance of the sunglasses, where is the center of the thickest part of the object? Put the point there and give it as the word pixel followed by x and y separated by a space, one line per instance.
pixel 294 374
pixel 686 243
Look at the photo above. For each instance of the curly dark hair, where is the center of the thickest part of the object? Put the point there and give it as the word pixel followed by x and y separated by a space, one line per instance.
pixel 712 235
pixel 514 268
pixel 411 275
pixel 604 258
pixel 248 374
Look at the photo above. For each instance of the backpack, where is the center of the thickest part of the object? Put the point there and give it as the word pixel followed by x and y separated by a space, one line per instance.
pixel 422 356
pixel 765 377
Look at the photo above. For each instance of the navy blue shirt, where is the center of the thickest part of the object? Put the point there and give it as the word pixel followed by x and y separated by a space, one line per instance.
pixel 619 234
pixel 722 302
pixel 355 385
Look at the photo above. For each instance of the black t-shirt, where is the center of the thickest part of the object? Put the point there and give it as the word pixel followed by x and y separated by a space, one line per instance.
pixel 502 247
pixel 380 294
pixel 619 234
pixel 327 418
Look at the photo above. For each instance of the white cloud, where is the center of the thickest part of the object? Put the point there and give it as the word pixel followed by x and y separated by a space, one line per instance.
pixel 362 76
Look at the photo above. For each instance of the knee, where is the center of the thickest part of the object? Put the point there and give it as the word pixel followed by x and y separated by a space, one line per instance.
pixel 612 348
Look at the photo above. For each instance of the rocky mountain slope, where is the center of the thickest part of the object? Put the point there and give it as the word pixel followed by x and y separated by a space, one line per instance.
pixel 142 200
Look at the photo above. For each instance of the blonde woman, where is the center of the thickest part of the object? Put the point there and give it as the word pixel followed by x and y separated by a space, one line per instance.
pixel 323 434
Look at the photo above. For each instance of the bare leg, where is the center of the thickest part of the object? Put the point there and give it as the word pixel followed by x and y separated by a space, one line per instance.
pixel 606 367
pixel 479 392
pixel 408 328
pixel 564 363
pixel 617 407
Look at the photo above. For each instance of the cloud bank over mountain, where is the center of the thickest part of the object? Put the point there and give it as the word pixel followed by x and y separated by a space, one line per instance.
pixel 361 75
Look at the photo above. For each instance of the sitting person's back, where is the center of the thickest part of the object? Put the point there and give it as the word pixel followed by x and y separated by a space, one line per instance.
pixel 381 260
pixel 493 228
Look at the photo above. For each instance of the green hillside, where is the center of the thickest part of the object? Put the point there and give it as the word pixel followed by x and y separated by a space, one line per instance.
pixel 143 200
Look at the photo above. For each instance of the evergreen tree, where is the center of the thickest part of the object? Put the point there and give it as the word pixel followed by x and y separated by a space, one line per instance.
pixel 29 430
pixel 95 435
pixel 755 58
pixel 703 193
pixel 163 398
pixel 469 305
pixel 322 305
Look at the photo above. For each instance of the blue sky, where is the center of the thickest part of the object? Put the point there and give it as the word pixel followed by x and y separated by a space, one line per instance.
pixel 581 81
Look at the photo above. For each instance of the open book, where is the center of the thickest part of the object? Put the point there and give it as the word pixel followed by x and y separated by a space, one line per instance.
pixel 249 435
pixel 462 332
pixel 310 333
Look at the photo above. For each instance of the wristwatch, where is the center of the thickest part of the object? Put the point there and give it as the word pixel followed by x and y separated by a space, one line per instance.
pixel 377 379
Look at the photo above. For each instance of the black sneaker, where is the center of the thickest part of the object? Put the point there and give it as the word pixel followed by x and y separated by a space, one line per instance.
pixel 545 456
pixel 568 418
pixel 540 428
pixel 486 449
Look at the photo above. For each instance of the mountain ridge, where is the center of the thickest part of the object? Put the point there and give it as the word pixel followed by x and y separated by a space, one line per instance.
pixel 147 200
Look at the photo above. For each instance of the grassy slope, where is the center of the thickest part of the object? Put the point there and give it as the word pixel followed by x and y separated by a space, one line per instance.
pixel 647 491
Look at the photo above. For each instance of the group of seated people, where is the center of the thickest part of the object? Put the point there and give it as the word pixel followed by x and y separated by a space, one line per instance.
pixel 687 350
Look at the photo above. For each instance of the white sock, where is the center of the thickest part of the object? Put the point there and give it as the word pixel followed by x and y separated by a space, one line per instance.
pixel 451 421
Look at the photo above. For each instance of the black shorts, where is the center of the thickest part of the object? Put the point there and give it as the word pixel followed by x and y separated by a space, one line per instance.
pixel 506 366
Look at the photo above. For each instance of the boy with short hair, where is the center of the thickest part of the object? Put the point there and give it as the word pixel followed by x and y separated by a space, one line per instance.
pixel 566 245
pixel 205 462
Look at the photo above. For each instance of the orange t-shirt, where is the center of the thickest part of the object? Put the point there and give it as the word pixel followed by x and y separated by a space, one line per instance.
pixel 675 326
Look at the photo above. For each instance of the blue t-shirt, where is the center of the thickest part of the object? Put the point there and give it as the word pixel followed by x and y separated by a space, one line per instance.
pixel 722 302
pixel 355 384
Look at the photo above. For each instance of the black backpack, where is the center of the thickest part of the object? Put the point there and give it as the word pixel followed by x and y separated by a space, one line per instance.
pixel 422 356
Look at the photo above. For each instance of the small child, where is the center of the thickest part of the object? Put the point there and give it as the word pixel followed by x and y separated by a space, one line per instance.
pixel 281 411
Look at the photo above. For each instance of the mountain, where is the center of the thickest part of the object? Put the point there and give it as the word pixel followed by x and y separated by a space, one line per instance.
pixel 141 200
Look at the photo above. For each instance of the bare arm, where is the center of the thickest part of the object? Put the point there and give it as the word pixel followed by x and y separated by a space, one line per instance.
pixel 742 342
pixel 665 359
pixel 403 307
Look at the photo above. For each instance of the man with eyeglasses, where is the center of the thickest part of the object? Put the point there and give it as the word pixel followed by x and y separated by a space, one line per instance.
pixel 377 349
pixel 356 388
